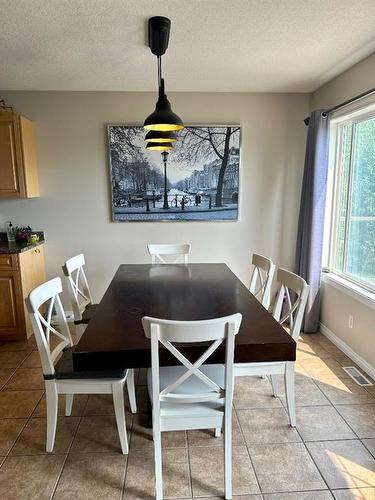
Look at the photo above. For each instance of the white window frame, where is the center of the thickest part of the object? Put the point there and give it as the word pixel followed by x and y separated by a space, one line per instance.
pixel 354 113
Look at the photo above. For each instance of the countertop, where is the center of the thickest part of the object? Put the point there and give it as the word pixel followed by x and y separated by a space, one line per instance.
pixel 7 247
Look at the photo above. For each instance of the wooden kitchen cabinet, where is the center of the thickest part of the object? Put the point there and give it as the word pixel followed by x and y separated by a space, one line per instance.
pixel 19 274
pixel 18 165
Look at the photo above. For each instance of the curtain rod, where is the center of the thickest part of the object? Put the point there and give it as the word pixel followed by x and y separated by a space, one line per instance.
pixel 345 103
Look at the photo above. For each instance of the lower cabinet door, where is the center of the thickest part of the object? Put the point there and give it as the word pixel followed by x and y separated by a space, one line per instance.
pixel 32 271
pixel 11 307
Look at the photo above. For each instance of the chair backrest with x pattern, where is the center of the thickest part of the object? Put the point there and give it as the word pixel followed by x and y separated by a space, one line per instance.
pixel 78 287
pixel 261 279
pixel 167 332
pixel 290 307
pixel 47 295
pixel 175 251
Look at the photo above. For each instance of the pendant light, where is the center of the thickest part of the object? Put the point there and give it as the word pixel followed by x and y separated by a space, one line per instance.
pixel 157 136
pixel 159 146
pixel 163 119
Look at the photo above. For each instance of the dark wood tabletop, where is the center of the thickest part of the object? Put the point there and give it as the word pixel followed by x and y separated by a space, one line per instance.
pixel 115 339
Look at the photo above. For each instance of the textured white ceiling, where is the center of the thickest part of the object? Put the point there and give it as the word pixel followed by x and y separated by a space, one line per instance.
pixel 215 45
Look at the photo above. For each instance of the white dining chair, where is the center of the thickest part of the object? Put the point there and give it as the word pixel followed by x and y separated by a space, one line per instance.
pixel 191 395
pixel 289 309
pixel 261 279
pixel 78 289
pixel 55 349
pixel 175 251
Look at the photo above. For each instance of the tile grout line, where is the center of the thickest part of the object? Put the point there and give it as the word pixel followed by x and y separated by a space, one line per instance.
pixel 320 390
pixel 302 441
pixel 346 404
pixel 370 391
pixel 347 423
pixel 15 441
pixel 350 427
pixel 247 449
pixel 372 453
pixel 308 451
pixel 7 380
pixel 127 458
pixel 23 428
pixel 189 464
pixel 124 476
pixel 355 404
pixel 314 462
pixel 67 452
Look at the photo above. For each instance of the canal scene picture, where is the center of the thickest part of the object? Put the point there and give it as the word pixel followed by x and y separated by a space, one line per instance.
pixel 197 180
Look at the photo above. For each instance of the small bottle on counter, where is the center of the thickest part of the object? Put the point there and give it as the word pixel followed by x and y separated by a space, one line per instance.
pixel 11 235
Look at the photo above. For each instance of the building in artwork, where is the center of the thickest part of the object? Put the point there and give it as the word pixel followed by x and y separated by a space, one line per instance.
pixel 206 179
pixel 134 177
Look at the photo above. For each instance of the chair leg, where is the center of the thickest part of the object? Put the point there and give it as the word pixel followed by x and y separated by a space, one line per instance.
pixel 52 404
pixel 118 402
pixel 131 390
pixel 274 385
pixel 228 455
pixel 289 391
pixel 68 404
pixel 217 432
pixel 158 463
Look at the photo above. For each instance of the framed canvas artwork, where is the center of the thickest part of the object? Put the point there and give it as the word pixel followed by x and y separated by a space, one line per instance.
pixel 198 180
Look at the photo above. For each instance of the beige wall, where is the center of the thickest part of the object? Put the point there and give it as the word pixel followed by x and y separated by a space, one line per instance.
pixel 354 81
pixel 336 305
pixel 74 207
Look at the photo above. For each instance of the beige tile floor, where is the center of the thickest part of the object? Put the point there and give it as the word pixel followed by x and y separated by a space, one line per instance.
pixel 331 454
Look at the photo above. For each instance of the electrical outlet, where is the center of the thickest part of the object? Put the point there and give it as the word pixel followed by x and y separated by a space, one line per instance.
pixel 350 321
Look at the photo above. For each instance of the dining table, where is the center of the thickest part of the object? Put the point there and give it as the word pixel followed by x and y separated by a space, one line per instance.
pixel 114 338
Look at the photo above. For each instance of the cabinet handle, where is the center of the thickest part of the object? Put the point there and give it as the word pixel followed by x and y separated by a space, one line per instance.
pixel 37 250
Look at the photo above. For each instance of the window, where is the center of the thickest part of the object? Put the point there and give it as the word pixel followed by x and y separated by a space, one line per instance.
pixel 350 237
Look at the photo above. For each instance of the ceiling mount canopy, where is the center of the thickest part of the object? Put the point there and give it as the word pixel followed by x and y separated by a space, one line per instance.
pixel 159 28
pixel 163 119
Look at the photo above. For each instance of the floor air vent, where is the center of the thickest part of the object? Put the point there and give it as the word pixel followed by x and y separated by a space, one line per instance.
pixel 356 375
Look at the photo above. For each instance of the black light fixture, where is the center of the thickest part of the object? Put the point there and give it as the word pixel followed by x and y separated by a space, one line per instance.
pixel 162 119
pixel 159 146
pixel 157 136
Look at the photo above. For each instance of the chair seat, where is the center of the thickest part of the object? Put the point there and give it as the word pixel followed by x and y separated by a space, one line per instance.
pixel 88 314
pixel 193 385
pixel 64 370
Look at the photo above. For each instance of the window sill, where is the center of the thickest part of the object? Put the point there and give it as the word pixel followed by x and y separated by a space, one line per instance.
pixel 349 288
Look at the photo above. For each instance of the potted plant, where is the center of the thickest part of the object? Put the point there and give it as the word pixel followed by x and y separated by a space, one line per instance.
pixel 22 233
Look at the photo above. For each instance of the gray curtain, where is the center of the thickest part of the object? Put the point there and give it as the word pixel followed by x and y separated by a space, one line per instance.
pixel 311 216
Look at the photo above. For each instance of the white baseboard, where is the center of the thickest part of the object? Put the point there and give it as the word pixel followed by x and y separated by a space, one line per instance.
pixel 343 346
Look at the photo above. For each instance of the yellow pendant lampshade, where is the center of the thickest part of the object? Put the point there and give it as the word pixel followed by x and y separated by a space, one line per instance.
pixel 163 119
pixel 157 136
pixel 159 146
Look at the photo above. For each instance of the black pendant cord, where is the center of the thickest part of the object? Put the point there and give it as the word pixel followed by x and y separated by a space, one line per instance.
pixel 160 78
pixel 159 71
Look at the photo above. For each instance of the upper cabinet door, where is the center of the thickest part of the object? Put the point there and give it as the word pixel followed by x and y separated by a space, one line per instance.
pixel 18 168
pixel 9 157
